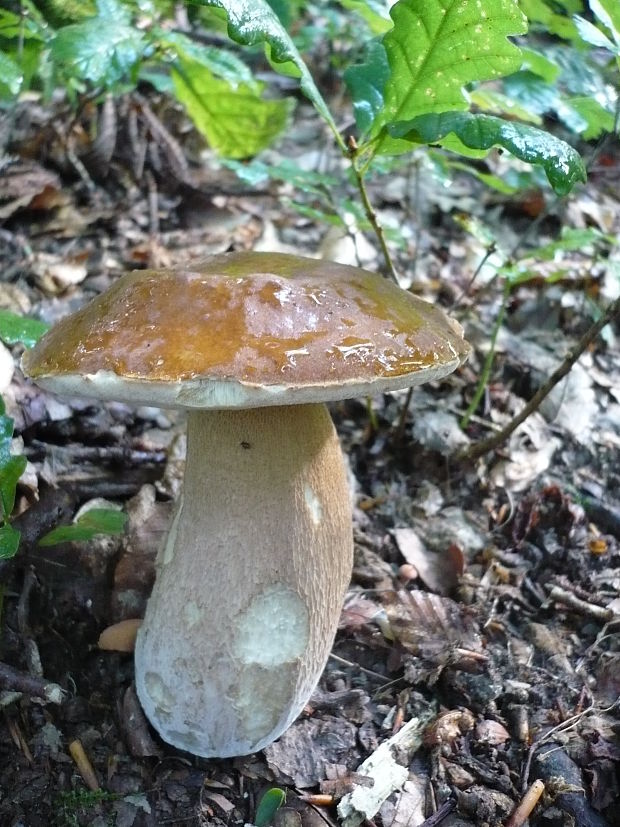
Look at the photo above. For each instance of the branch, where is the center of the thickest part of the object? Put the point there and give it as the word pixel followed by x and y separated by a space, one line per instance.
pixel 478 449
pixel 371 215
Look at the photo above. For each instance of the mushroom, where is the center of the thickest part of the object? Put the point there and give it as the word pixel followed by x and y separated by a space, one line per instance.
pixel 252 575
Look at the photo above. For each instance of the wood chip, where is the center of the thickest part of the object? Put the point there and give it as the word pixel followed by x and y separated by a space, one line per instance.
pixel 387 773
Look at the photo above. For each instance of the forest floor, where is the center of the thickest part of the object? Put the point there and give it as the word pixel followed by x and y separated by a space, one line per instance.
pixel 484 600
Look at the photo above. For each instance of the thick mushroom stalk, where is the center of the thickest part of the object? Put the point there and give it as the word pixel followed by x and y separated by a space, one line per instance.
pixel 250 580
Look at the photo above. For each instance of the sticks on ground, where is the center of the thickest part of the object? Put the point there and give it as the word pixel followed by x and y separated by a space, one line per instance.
pixel 478 449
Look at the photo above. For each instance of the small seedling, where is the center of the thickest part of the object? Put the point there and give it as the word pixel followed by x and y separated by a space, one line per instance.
pixel 268 806
pixel 91 523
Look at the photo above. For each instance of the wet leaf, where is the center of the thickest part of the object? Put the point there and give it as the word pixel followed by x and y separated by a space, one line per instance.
pixel 254 21
pixel 562 164
pixel 102 49
pixel 15 328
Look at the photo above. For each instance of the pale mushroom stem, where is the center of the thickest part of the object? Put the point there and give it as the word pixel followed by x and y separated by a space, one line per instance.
pixel 250 580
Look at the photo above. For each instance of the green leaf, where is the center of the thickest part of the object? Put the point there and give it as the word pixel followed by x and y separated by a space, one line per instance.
pixel 251 22
pixel 374 12
pixel 287 10
pixel 114 11
pixel 10 24
pixel 540 65
pixel 219 62
pixel 366 82
pixel 10 74
pixel 493 102
pixel 6 435
pixel 562 164
pixel 103 49
pixel 488 179
pixel 10 471
pixel 15 328
pixel 268 806
pixel 595 37
pixel 598 120
pixel 236 121
pixel 88 525
pixel 572 239
pixel 588 241
pixel 256 173
pixel 9 541
pixel 13 26
pixel 541 97
pixel 608 13
pixel 437 47
pixel 537 11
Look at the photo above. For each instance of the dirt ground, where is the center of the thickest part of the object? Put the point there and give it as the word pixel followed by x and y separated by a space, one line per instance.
pixel 484 600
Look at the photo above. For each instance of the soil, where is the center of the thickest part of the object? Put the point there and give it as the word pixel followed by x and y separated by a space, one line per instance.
pixel 484 599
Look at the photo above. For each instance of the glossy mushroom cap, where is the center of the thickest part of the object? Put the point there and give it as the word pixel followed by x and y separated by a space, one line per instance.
pixel 245 330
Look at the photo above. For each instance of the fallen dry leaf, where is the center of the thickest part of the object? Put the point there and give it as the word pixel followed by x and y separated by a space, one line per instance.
pixel 435 570
pixel 120 637
pixel 309 746
pixel 432 627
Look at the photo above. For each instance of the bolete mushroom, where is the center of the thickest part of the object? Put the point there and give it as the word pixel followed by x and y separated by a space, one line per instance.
pixel 252 575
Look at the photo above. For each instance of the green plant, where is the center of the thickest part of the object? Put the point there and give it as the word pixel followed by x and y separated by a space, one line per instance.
pixel 68 805
pixel 13 329
pixel 12 466
pixel 87 525
pixel 569 77
pixel 410 90
pixel 268 806
pixel 115 45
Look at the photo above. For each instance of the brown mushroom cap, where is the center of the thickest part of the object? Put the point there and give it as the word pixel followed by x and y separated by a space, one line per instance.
pixel 243 330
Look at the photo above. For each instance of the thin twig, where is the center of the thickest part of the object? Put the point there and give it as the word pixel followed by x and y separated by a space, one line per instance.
pixel 563 726
pixel 524 809
pixel 488 362
pixel 371 215
pixel 31 685
pixel 350 663
pixel 402 419
pixel 443 812
pixel 495 440
pixel 82 761
pixel 560 595
pixel 492 248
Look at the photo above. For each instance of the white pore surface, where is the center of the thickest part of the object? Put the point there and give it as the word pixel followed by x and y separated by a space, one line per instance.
pixel 221 394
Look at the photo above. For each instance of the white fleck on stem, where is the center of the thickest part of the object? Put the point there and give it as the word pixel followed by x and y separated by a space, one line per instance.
pixel 250 581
